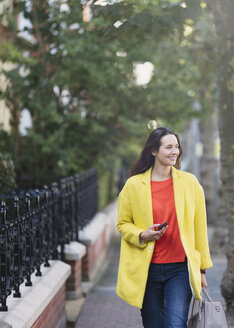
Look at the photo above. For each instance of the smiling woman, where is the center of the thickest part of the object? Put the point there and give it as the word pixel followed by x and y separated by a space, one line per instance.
pixel 159 270
pixel 166 155
pixel 154 145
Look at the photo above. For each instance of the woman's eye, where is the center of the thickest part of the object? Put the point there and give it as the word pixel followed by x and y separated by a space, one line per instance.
pixel 169 147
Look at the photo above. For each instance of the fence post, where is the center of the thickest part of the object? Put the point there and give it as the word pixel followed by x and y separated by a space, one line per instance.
pixel 38 235
pixel 77 207
pixel 4 264
pixel 17 253
pixel 48 227
pixel 55 219
pixel 29 241
pixel 62 223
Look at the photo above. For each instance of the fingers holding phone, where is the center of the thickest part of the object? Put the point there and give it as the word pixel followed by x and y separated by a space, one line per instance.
pixel 154 232
pixel 160 230
pixel 161 226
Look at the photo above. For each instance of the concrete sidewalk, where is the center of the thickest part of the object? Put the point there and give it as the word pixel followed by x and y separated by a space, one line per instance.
pixel 104 309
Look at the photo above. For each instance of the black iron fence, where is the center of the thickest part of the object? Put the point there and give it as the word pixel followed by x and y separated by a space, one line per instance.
pixel 36 225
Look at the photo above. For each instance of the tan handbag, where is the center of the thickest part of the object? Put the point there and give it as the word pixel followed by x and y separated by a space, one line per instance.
pixel 206 313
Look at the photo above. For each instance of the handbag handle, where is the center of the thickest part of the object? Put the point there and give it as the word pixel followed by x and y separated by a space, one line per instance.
pixel 193 306
pixel 207 295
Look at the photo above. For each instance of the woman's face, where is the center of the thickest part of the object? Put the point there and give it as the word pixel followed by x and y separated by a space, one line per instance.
pixel 168 151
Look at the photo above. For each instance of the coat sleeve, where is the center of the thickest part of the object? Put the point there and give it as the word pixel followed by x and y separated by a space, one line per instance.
pixel 200 227
pixel 129 231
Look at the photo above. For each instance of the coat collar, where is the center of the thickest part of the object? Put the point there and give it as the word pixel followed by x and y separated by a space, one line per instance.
pixel 146 176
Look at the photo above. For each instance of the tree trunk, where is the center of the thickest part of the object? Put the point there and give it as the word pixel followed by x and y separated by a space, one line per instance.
pixel 219 240
pixel 208 169
pixel 223 18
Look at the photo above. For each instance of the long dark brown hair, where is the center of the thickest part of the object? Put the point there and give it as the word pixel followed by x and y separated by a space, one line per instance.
pixel 153 143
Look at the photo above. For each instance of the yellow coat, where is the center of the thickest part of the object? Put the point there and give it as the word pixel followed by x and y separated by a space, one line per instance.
pixel 135 215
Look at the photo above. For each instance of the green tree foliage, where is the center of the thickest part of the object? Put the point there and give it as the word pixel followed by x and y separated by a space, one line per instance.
pixel 7 174
pixel 77 80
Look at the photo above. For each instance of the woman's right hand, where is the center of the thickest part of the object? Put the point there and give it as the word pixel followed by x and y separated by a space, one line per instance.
pixel 151 234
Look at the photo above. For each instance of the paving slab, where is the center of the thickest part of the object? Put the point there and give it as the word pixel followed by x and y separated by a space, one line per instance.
pixel 104 309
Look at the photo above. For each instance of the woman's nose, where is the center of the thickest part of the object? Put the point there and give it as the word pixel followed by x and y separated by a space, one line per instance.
pixel 175 151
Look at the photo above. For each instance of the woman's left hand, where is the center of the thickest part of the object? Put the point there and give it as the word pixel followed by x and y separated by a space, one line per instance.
pixel 203 280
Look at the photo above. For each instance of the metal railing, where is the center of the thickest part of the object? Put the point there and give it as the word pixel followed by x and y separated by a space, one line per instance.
pixel 36 225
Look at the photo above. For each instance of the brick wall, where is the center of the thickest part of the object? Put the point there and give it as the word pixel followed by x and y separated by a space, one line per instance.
pixel 53 312
pixel 74 281
pixel 43 305
pixel 93 256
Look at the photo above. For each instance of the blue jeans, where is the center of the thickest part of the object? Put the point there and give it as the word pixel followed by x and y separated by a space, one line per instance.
pixel 167 296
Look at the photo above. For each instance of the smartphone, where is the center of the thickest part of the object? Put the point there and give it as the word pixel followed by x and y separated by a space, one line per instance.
pixel 161 226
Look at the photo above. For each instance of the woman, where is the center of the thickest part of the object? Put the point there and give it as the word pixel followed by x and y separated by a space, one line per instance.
pixel 159 270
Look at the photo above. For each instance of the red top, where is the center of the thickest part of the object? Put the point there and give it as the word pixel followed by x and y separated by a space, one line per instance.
pixel 168 249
